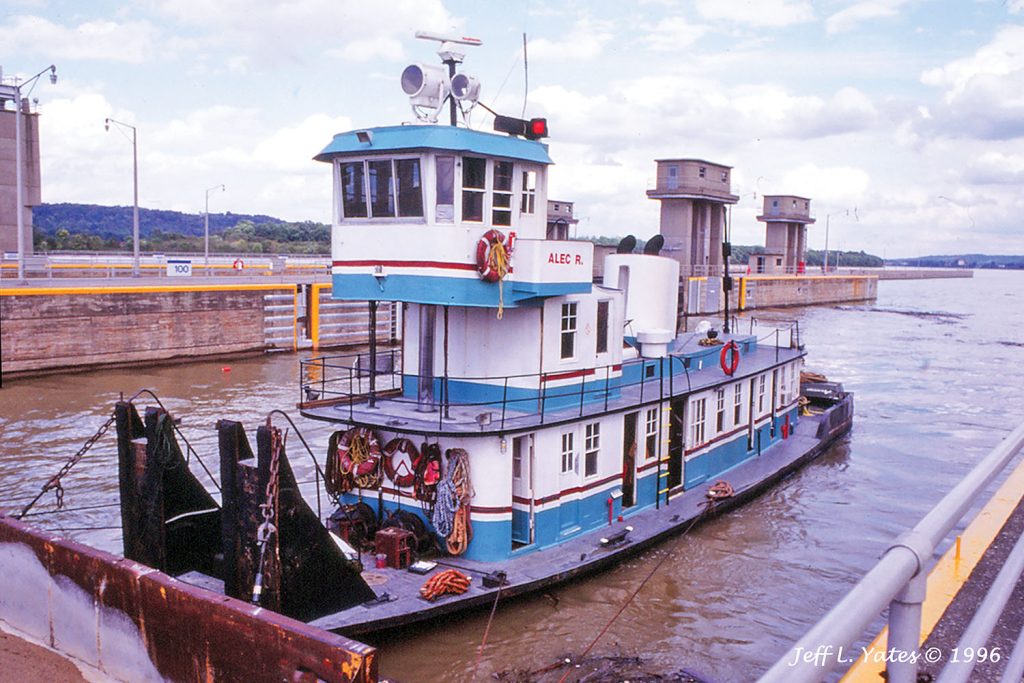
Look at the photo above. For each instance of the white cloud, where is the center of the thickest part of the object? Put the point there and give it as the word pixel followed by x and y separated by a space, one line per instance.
pixel 771 13
pixel 291 149
pixel 984 93
pixel 270 31
pixel 584 41
pixel 132 42
pixel 996 168
pixel 860 12
pixel 829 186
pixel 674 33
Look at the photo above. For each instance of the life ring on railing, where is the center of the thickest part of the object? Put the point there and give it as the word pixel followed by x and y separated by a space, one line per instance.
pixel 401 446
pixel 730 362
pixel 494 255
pixel 359 456
pixel 239 264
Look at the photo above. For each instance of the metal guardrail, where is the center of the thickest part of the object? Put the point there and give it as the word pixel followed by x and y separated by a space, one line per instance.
pixel 113 265
pixel 352 378
pixel 899 582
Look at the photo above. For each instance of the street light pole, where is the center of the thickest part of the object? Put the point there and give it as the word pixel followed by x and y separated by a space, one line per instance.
pixel 845 212
pixel 135 189
pixel 206 229
pixel 19 178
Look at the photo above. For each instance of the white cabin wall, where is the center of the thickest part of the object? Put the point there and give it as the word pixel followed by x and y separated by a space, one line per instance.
pixel 480 345
pixel 585 355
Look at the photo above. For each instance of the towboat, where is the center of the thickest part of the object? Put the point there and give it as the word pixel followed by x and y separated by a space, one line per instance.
pixel 531 425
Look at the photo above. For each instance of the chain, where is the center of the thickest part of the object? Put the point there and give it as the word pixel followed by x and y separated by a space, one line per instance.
pixel 267 528
pixel 54 483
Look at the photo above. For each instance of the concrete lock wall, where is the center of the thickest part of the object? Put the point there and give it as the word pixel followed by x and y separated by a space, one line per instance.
pixel 765 292
pixel 47 328
pixel 54 328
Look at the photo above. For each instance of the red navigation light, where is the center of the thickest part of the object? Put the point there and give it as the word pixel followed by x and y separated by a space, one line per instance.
pixel 534 129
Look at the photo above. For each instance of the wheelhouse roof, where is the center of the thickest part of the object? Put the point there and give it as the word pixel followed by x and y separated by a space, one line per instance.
pixel 390 139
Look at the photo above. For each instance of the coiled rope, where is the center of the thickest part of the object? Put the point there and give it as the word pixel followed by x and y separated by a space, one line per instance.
pixel 451 509
pixel 498 260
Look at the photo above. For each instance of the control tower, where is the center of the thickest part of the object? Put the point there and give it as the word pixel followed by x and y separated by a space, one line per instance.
pixel 786 218
pixel 693 195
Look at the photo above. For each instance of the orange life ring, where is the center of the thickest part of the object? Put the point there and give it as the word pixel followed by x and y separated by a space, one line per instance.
pixel 729 362
pixel 403 446
pixel 359 454
pixel 239 264
pixel 490 269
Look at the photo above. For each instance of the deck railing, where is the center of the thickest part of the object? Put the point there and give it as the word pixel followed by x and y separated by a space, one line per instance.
pixel 899 581
pixel 349 379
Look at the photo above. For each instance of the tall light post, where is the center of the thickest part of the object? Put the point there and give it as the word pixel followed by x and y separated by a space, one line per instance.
pixel 844 212
pixel 966 208
pixel 135 187
pixel 206 228
pixel 14 92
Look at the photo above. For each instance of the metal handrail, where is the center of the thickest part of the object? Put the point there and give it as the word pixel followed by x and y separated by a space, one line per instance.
pixel 898 582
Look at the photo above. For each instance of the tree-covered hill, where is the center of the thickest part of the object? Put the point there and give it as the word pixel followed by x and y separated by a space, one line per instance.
pixel 109 228
pixel 116 221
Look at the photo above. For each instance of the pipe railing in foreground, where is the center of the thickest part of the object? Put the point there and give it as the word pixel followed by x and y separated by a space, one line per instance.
pixel 897 581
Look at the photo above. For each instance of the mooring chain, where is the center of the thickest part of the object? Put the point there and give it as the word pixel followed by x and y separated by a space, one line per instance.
pixel 267 528
pixel 54 483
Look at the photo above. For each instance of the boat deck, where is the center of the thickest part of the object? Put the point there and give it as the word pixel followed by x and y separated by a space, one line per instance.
pixel 403 414
pixel 529 570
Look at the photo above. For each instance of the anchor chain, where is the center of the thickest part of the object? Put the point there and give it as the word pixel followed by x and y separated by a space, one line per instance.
pixel 267 528
pixel 54 482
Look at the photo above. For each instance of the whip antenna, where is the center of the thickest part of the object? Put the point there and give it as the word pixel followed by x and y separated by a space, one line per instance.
pixel 526 76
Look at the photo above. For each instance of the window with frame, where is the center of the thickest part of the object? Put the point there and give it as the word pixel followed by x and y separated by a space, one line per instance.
pixel 568 454
pixel 783 386
pixel 737 403
pixel 444 193
pixel 529 198
pixel 591 448
pixel 720 409
pixel 569 323
pixel 651 433
pixel 603 308
pixel 760 394
pixel 698 417
pixel 702 171
pixel 381 188
pixel 474 184
pixel 353 190
pixel 501 197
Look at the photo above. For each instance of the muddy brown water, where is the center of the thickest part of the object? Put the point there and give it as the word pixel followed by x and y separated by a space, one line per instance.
pixel 937 367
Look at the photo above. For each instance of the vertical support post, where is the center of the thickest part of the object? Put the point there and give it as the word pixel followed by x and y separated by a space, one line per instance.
pixel 19 180
pixel 444 386
pixel 425 373
pixel 905 629
pixel 373 355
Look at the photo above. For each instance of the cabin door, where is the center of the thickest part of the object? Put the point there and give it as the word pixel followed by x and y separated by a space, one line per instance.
pixel 676 443
pixel 522 490
pixel 629 459
pixel 568 484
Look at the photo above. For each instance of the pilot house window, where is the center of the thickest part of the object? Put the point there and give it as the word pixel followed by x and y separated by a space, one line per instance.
pixel 501 199
pixel 381 188
pixel 474 182
pixel 529 192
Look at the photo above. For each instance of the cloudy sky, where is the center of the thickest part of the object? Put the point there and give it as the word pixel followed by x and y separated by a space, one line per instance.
pixel 910 111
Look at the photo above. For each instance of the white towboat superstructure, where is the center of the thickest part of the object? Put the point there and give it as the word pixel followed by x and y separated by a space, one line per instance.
pixel 567 411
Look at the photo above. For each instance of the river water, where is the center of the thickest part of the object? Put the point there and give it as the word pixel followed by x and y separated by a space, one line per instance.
pixel 937 367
